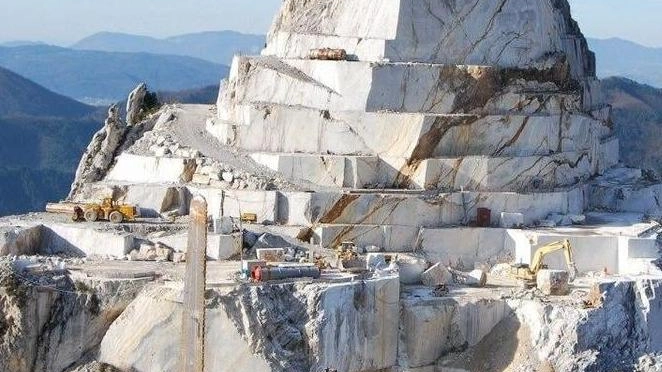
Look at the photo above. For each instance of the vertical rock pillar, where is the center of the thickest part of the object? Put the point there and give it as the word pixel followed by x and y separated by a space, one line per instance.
pixel 193 318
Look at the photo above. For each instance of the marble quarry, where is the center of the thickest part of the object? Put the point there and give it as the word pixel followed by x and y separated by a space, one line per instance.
pixel 451 137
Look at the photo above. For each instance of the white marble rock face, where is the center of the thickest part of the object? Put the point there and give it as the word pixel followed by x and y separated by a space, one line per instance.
pixel 286 129
pixel 515 33
pixel 499 99
pixel 374 87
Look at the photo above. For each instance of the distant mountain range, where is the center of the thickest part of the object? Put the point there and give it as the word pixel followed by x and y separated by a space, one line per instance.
pixel 213 46
pixel 617 57
pixel 205 95
pixel 22 97
pixel 98 77
pixel 638 121
pixel 43 135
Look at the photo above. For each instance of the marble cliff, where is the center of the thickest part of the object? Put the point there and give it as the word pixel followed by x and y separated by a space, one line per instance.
pixel 449 133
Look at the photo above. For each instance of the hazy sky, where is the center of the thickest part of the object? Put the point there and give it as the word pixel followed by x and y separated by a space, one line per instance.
pixel 66 21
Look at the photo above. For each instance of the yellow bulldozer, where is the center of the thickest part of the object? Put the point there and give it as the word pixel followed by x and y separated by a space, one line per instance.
pixel 108 210
pixel 529 273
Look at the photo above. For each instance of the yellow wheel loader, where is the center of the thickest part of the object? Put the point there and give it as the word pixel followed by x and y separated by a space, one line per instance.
pixel 109 210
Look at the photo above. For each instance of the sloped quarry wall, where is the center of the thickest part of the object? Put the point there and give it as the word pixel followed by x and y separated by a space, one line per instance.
pixel 522 333
pixel 610 338
pixel 294 327
pixel 46 329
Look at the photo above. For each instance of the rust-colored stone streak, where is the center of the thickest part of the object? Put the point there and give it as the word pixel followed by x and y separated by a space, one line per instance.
pixel 337 210
pixel 426 146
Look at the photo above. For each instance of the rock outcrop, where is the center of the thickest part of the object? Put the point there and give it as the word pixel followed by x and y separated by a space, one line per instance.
pixel 115 136
pixel 100 153
pixel 134 104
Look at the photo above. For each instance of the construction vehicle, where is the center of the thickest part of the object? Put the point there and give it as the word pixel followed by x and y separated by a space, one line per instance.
pixel 108 210
pixel 529 273
pixel 347 258
pixel 249 217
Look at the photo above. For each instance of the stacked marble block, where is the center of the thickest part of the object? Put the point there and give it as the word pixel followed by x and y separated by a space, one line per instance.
pixel 436 100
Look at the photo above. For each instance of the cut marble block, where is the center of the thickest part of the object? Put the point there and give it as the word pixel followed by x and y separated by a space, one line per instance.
pixel 151 169
pixel 531 173
pixel 475 173
pixel 371 87
pixel 464 246
pixel 219 246
pixel 408 209
pixel 286 129
pixel 68 239
pixel 404 209
pixel 325 170
pixel 520 33
pixel 433 327
pixel 615 252
pixel 234 203
pixel 387 237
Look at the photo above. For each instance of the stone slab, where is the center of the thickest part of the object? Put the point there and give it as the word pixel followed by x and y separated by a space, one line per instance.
pixel 150 169
pixel 305 209
pixel 362 86
pixel 464 247
pixel 325 170
pixel 83 240
pixel 433 327
pixel 264 127
pixel 219 246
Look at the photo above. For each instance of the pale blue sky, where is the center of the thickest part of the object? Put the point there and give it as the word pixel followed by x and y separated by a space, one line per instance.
pixel 66 21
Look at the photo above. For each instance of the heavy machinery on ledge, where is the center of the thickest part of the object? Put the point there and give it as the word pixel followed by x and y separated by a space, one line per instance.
pixel 529 273
pixel 108 210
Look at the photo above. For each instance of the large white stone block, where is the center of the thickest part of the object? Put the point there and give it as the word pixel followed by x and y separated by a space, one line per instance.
pixel 325 170
pixel 233 203
pixel 83 240
pixel 362 86
pixel 464 247
pixel 482 173
pixel 150 169
pixel 387 237
pixel 403 209
pixel 277 128
pixel 433 327
pixel 219 246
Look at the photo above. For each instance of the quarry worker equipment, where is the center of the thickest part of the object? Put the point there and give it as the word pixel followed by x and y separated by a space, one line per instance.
pixel 530 272
pixel 78 214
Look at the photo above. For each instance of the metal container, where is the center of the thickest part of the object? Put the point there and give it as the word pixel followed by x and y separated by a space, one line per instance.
pixel 328 54
pixel 265 273
pixel 484 218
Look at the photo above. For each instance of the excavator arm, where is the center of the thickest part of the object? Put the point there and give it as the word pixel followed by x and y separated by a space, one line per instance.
pixel 537 262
